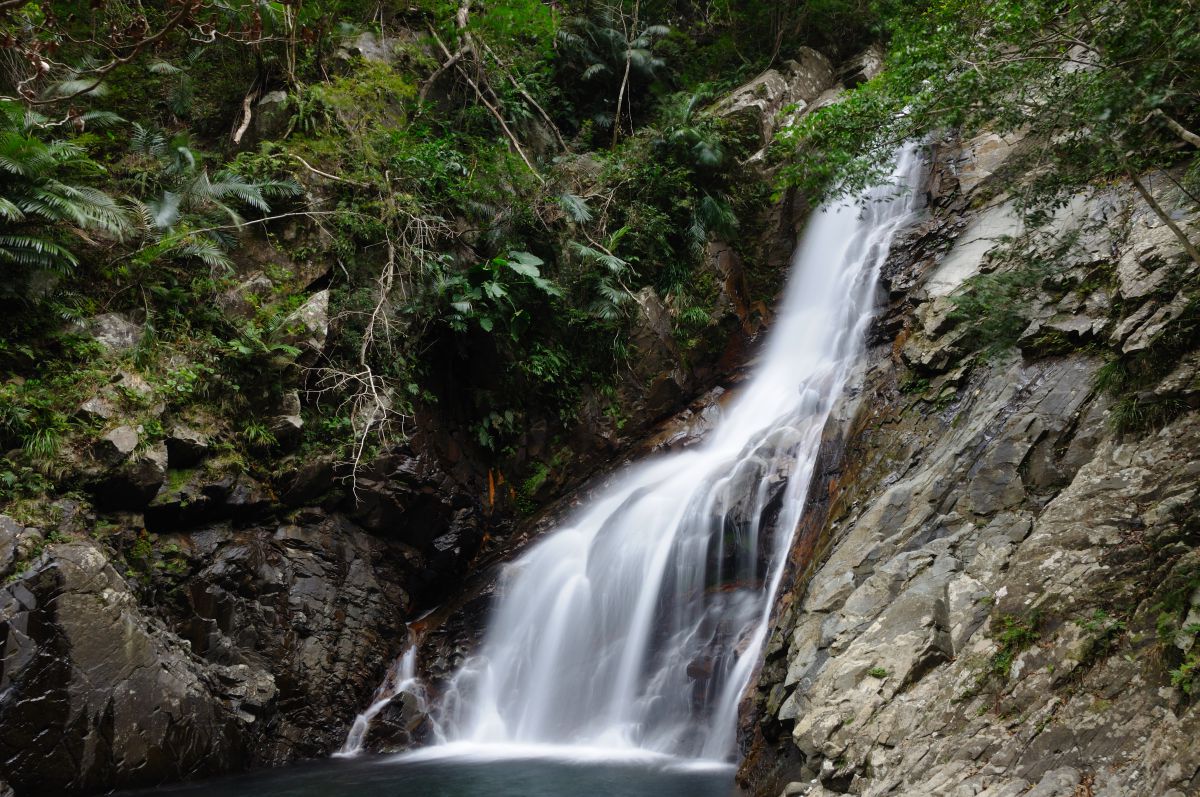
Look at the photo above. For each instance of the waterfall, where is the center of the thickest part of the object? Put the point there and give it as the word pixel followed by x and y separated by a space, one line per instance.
pixel 401 679
pixel 637 625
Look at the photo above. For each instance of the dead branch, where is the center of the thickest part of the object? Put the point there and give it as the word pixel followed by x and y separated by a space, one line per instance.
pixel 441 70
pixel 367 394
pixel 545 116
pixel 247 104
pixel 625 76
pixel 1176 128
pixel 102 71
pixel 494 111
pixel 320 173
pixel 1166 219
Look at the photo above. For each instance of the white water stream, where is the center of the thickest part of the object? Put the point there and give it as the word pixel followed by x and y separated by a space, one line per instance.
pixel 636 626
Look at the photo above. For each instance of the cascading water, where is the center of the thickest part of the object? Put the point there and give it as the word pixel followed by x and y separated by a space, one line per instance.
pixel 638 624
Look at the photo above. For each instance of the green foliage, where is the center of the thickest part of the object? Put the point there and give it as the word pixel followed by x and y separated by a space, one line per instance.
pixel 193 215
pixel 878 672
pixel 18 480
pixel 462 280
pixel 1014 634
pixel 1094 83
pixel 608 54
pixel 494 294
pixel 43 200
pixel 1105 629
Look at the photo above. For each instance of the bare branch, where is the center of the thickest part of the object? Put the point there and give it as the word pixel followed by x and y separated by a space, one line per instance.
pixel 1176 128
pixel 102 71
pixel 496 113
pixel 327 175
pixel 1166 219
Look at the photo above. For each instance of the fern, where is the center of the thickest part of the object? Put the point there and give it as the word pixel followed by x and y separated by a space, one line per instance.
pixel 576 208
pixel 43 206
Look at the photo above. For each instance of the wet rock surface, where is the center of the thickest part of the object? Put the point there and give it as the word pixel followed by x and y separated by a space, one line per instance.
pixel 90 687
pixel 219 630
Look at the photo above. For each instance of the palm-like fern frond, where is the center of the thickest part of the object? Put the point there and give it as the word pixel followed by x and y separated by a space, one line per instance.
pixel 576 207
pixel 42 201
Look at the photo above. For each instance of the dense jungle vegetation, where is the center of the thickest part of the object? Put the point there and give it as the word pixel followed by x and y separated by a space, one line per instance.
pixel 484 187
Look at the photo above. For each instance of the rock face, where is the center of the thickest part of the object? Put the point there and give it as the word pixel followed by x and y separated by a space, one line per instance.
pixel 113 331
pixel 992 591
pixel 232 634
pixel 90 687
pixel 757 106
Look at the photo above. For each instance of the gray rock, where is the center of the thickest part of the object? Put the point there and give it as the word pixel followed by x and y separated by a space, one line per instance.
pixel 243 300
pixel 97 408
pixel 757 104
pixel 1003 556
pixel 287 430
pixel 1144 335
pixel 186 447
pixel 370 48
pixel 10 531
pixel 29 541
pixel 862 67
pixel 272 113
pixel 113 331
pixel 116 445
pixel 308 327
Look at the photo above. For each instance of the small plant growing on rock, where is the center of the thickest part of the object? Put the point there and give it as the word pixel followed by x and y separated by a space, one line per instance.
pixel 1014 634
pixel 877 672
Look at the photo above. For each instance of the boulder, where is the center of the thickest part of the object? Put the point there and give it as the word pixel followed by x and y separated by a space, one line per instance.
pixel 308 327
pixel 116 445
pixel 113 331
pixel 272 113
pixel 97 408
pixel 133 483
pixel 288 425
pixel 186 447
pixel 400 725
pixel 307 481
pixel 241 302
pixel 96 695
pixel 862 67
pixel 369 47
pixel 29 541
pixel 756 106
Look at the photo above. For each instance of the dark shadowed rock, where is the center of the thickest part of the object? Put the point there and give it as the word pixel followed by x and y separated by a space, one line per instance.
pixel 308 481
pixel 116 445
pixel 400 725
pixel 186 447
pixel 133 483
pixel 188 498
pixel 93 694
